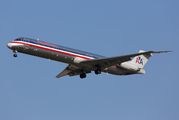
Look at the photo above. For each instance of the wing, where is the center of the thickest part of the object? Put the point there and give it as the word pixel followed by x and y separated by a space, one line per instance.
pixel 107 62
pixel 71 70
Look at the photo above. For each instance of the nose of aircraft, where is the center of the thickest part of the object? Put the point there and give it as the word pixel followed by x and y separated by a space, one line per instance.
pixel 9 45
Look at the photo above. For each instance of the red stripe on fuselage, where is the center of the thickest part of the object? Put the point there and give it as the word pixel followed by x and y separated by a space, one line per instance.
pixel 50 49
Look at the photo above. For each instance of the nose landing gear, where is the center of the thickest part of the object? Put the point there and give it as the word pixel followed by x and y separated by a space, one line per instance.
pixel 15 54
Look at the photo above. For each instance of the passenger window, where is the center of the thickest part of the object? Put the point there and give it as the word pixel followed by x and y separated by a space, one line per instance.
pixel 31 41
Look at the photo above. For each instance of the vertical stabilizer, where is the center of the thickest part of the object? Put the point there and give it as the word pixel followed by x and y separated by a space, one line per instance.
pixel 141 60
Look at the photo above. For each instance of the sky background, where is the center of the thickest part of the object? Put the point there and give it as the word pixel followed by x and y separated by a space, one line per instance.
pixel 29 89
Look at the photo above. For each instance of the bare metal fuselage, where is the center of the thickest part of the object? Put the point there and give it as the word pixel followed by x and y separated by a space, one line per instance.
pixel 80 62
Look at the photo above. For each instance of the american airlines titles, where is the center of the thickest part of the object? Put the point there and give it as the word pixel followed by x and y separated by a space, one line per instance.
pixel 46 43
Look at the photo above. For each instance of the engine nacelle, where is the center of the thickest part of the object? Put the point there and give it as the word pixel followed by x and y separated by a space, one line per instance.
pixel 78 60
pixel 129 66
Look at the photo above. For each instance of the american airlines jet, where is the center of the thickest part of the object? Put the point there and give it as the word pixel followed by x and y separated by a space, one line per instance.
pixel 80 62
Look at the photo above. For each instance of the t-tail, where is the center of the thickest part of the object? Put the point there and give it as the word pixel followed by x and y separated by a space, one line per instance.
pixel 141 60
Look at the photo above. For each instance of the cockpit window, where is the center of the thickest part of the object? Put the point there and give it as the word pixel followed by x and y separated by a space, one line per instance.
pixel 19 39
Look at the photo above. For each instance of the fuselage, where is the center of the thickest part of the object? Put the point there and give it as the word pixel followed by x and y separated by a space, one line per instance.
pixel 62 54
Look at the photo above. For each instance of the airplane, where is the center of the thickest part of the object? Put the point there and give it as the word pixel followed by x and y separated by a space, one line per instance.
pixel 80 62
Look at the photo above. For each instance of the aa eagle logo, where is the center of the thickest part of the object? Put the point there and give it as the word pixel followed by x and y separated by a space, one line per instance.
pixel 139 60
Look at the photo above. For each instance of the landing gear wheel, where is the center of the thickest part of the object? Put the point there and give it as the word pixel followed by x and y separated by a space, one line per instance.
pixel 83 75
pixel 98 71
pixel 15 55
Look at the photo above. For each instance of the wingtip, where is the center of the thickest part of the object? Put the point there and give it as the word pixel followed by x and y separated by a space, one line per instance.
pixel 166 51
pixel 170 51
pixel 160 51
pixel 57 76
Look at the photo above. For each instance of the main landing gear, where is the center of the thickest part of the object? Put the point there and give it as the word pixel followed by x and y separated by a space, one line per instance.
pixel 83 75
pixel 98 71
pixel 15 54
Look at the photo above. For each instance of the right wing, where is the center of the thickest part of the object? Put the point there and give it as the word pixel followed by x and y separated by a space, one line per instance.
pixel 107 62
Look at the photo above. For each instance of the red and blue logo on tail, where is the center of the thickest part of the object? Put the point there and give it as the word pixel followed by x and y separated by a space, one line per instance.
pixel 139 60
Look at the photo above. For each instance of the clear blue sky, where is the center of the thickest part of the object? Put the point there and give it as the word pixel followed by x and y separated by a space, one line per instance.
pixel 30 91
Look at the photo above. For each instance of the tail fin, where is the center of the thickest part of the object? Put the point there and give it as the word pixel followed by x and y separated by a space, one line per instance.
pixel 141 60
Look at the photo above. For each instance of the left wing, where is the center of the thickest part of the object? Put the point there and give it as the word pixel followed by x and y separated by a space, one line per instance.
pixel 71 70
pixel 64 72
